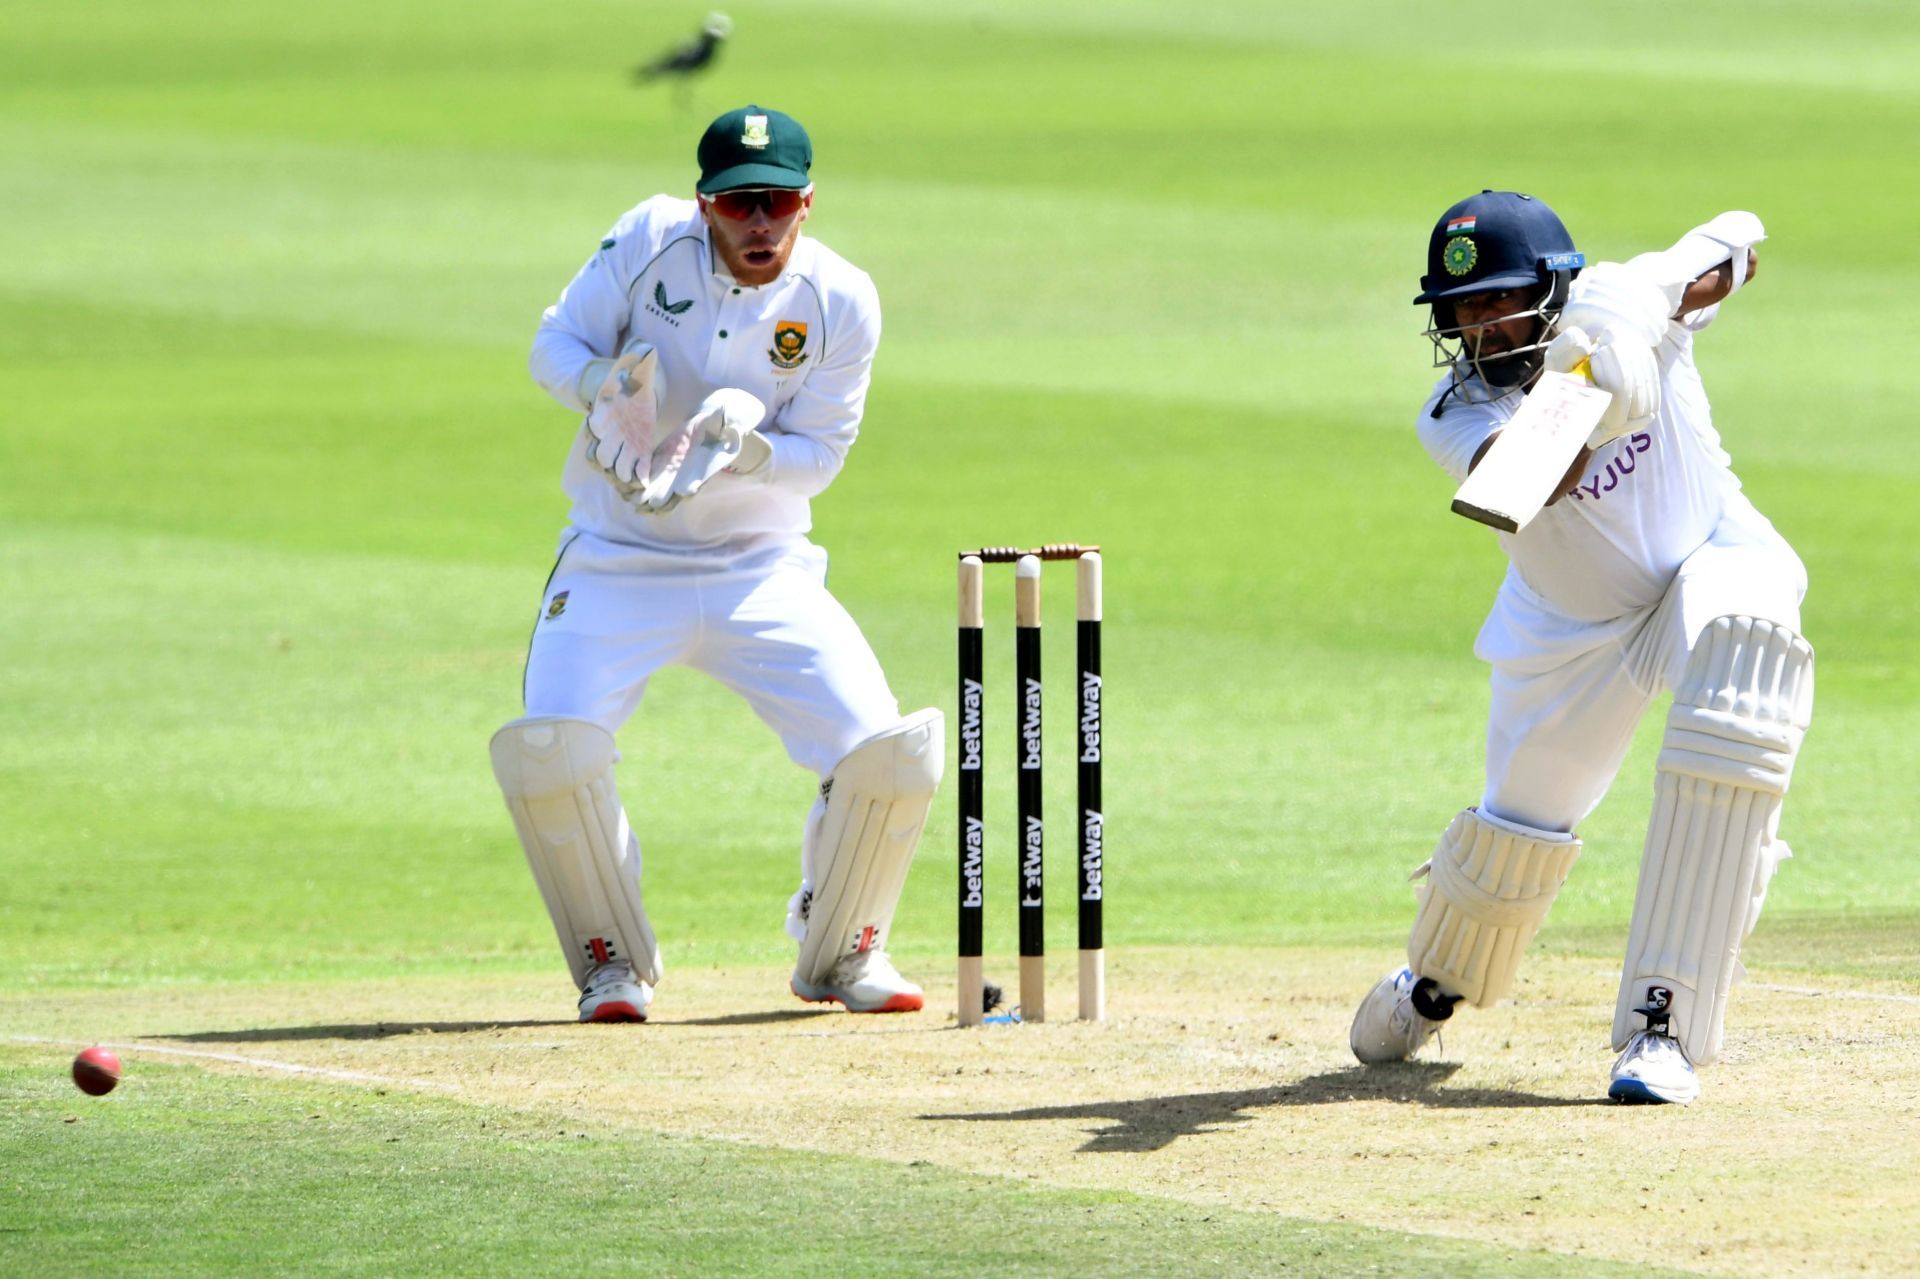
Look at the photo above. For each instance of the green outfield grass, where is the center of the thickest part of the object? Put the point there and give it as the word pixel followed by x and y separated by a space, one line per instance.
pixel 277 498
pixel 215 1179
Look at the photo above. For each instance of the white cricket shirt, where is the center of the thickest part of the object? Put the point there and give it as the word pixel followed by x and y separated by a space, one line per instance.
pixel 803 344
pixel 1592 563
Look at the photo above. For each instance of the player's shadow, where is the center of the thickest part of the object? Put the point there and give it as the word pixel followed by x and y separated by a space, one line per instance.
pixel 1154 1123
pixel 393 1029
pixel 356 1030
pixel 768 1017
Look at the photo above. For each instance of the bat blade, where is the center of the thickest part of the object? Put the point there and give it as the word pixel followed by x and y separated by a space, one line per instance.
pixel 1526 461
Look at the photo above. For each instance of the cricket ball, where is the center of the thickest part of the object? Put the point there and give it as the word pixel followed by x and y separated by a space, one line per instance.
pixel 96 1071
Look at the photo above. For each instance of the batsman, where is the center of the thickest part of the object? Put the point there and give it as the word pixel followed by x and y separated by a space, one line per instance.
pixel 1650 572
pixel 718 361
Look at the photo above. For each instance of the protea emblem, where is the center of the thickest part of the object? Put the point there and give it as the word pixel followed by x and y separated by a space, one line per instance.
pixel 789 345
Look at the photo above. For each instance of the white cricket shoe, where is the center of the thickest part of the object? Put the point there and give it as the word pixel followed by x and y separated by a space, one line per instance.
pixel 613 994
pixel 1390 1025
pixel 863 983
pixel 1654 1068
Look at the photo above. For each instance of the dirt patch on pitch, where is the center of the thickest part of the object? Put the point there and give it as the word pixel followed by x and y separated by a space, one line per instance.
pixel 1221 1078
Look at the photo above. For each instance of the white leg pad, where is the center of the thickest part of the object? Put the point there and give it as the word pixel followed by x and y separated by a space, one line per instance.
pixel 1736 724
pixel 1488 888
pixel 877 802
pixel 557 776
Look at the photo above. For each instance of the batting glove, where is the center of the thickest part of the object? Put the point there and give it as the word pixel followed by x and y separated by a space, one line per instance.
pixel 1618 363
pixel 1608 295
pixel 1570 346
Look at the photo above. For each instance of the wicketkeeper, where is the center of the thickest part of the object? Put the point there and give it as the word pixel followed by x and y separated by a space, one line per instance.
pixel 1651 572
pixel 721 360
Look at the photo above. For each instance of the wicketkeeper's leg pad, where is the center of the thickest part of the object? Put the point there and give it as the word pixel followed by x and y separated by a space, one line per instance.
pixel 878 798
pixel 557 776
pixel 1738 717
pixel 1487 890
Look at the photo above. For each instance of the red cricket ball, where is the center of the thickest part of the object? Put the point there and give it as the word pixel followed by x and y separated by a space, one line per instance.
pixel 96 1071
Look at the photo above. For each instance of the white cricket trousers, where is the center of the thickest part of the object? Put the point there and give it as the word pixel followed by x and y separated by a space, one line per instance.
pixel 1556 738
pixel 765 627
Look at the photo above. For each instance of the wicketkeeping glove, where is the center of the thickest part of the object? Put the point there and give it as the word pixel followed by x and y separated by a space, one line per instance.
pixel 624 417
pixel 716 435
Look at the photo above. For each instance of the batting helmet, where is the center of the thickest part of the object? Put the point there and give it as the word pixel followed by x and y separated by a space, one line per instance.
pixel 1497 240
pixel 1486 243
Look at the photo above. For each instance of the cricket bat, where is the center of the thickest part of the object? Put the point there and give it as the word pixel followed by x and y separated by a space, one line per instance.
pixel 1527 459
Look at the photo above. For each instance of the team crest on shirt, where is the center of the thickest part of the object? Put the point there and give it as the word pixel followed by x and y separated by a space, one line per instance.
pixel 789 349
pixel 1459 255
pixel 557 605
pixel 756 134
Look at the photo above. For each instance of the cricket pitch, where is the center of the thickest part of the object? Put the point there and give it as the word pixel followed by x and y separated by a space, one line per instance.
pixel 1221 1078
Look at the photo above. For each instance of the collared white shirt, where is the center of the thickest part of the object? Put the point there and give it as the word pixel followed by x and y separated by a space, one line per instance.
pixel 1646 502
pixel 803 344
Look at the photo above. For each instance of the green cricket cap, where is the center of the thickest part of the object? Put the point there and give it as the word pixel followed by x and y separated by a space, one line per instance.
pixel 754 147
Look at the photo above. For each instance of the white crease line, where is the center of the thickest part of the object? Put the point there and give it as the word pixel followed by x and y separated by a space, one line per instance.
pixel 240 1059
pixel 1811 993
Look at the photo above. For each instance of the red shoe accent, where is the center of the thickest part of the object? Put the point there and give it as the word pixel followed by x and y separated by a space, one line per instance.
pixel 901 1003
pixel 617 1010
pixel 824 999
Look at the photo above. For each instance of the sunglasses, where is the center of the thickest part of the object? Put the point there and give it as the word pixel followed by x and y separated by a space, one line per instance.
pixel 738 206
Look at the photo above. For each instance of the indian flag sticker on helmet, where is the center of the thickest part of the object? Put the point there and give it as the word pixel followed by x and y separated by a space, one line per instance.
pixel 1462 226
pixel 1460 255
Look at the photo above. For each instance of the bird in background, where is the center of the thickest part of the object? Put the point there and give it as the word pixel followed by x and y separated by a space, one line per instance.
pixel 691 58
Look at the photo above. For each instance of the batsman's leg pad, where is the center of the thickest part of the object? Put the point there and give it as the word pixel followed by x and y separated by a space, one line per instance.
pixel 557 776
pixel 809 855
pixel 877 802
pixel 1487 890
pixel 1738 717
